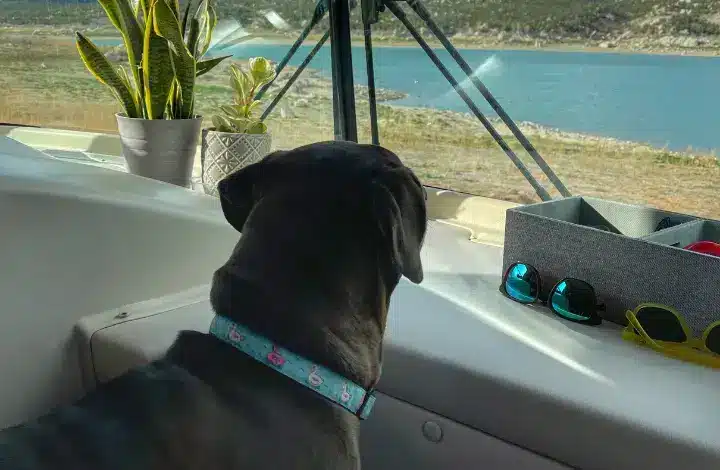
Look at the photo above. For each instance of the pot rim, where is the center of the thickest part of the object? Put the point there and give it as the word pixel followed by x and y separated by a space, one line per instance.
pixel 124 116
pixel 212 129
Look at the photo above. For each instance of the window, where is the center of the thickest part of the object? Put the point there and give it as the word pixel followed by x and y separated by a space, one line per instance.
pixel 620 98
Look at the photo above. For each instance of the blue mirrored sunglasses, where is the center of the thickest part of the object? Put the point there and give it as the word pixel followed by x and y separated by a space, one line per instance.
pixel 570 298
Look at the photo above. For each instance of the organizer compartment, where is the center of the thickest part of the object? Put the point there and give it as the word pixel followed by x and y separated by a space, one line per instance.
pixel 628 264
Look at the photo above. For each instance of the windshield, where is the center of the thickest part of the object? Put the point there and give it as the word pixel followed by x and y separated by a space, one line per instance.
pixel 620 98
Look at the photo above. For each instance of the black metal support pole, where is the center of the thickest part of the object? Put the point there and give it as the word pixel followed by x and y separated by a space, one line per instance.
pixel 318 14
pixel 375 135
pixel 295 75
pixel 342 71
pixel 370 10
pixel 424 14
pixel 400 14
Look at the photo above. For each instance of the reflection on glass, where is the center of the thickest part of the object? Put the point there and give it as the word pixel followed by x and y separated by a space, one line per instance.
pixel 522 283
pixel 634 127
pixel 49 86
pixel 573 299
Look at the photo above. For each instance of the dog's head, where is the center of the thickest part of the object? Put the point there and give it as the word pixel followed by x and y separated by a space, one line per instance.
pixel 362 193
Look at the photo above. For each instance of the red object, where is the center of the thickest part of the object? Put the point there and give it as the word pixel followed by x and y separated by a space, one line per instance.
pixel 707 247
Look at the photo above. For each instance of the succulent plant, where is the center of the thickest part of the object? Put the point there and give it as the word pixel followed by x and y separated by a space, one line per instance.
pixel 238 117
pixel 165 56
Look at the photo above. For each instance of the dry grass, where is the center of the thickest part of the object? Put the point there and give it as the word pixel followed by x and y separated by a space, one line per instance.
pixel 44 83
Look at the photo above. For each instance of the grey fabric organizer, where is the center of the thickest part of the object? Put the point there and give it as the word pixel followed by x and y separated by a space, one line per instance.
pixel 628 264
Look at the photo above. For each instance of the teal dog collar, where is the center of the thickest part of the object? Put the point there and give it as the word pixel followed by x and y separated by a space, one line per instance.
pixel 330 385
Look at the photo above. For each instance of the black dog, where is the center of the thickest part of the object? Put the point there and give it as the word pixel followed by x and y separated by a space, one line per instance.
pixel 327 231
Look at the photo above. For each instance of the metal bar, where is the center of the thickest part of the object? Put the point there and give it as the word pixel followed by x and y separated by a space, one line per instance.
pixel 341 52
pixel 424 14
pixel 295 75
pixel 400 15
pixel 375 135
pixel 336 113
pixel 370 10
pixel 318 14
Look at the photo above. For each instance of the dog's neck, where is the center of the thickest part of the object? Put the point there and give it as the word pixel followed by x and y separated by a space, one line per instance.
pixel 336 320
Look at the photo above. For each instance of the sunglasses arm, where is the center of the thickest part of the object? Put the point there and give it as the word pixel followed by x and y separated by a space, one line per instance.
pixel 635 324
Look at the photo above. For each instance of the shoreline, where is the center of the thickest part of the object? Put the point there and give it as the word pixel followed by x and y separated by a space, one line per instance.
pixel 485 42
pixel 445 148
pixel 559 47
pixel 389 97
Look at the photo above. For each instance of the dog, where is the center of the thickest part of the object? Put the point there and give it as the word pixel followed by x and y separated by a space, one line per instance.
pixel 327 231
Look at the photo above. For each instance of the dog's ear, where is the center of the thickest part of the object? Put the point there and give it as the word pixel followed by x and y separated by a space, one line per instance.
pixel 399 208
pixel 237 195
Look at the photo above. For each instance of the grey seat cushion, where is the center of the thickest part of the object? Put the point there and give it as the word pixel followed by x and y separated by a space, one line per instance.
pixel 114 341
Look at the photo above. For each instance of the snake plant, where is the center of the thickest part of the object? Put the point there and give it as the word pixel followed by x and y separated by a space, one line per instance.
pixel 165 55
pixel 238 118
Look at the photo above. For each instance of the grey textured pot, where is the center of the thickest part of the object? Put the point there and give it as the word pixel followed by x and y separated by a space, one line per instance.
pixel 223 153
pixel 161 149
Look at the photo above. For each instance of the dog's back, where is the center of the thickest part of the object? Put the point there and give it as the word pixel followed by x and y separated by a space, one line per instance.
pixel 327 230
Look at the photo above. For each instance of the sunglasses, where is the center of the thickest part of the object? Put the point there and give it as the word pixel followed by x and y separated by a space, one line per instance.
pixel 705 246
pixel 570 298
pixel 663 329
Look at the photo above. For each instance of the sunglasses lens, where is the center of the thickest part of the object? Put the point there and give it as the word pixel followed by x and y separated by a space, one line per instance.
pixel 522 283
pixel 573 299
pixel 661 324
pixel 712 341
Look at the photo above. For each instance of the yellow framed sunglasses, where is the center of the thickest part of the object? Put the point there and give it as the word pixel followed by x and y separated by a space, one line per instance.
pixel 663 329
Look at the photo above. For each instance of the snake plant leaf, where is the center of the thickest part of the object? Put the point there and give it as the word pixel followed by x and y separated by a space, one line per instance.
pixel 175 5
pixel 140 91
pixel 125 78
pixel 202 15
pixel 204 66
pixel 212 23
pixel 185 97
pixel 135 89
pixel 193 37
pixel 132 32
pixel 112 10
pixel 176 95
pixel 121 15
pixel 103 71
pixel 167 25
pixel 186 14
pixel 145 8
pixel 158 74
pixel 175 102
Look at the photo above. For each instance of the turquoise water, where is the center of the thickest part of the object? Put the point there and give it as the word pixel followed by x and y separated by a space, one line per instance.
pixel 671 101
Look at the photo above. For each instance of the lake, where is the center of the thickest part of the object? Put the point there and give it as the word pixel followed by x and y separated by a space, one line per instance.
pixel 671 101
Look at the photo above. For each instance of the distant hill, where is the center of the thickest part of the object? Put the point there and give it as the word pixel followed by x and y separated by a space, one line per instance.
pixel 551 20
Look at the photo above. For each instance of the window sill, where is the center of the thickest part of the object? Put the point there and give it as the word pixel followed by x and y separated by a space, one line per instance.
pixel 483 218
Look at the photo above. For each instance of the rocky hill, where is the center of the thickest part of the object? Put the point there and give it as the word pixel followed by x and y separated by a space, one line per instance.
pixel 671 23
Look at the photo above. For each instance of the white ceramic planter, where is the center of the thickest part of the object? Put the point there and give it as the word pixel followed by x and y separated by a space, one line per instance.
pixel 223 153
pixel 161 149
